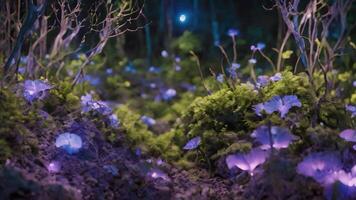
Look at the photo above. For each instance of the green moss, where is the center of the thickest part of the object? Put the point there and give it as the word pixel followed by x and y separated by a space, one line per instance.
pixel 5 151
pixel 13 118
pixel 136 132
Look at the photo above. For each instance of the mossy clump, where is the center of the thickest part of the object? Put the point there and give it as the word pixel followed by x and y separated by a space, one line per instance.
pixel 219 119
pixel 63 98
pixel 138 135
pixel 13 132
pixel 135 131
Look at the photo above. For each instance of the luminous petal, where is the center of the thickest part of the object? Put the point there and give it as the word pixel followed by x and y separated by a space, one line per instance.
pixel 158 174
pixel 247 162
pixel 193 143
pixel 320 166
pixel 70 142
pixel 281 137
pixel 348 135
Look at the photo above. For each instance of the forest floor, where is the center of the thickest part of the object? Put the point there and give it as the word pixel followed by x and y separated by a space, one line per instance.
pixel 101 171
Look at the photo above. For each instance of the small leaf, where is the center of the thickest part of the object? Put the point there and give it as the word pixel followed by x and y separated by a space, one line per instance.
pixel 287 54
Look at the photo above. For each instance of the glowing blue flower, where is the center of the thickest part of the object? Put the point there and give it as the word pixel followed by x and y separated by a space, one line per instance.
pixel 70 142
pixel 193 143
pixel 262 81
pixel 169 94
pixel 36 89
pixel 220 78
pixel 281 137
pixel 232 70
pixel 258 108
pixel 159 161
pixel 114 121
pixel 109 71
pixel 177 59
pixel 342 185
pixel 320 166
pixel 351 109
pixel 348 135
pixel 153 85
pixel 282 104
pixel 177 68
pixel 252 61
pixel 138 152
pixel 88 104
pixel 235 66
pixel 164 53
pixel 259 46
pixel 148 120
pixel 247 162
pixel 54 167
pixel 22 70
pixel 182 18
pixel 276 77
pixel 158 174
pixel 233 32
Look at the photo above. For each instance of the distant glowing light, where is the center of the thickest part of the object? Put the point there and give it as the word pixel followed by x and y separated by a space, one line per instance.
pixel 182 18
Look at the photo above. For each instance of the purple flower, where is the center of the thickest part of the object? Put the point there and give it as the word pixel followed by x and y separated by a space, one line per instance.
pixel 154 69
pixel 193 143
pixel 351 109
pixel 177 59
pixel 282 104
pixel 232 70
pixel 158 174
pixel 36 89
pixel 259 46
pixel 322 167
pixel 276 77
pixel 169 94
pixel 220 78
pixel 344 186
pixel 258 108
pixel 354 83
pixel 70 142
pixel 262 81
pixel 109 71
pixel 233 32
pixel 153 85
pixel 177 68
pixel 88 104
pixel 164 54
pixel 281 137
pixel 348 135
pixel 235 66
pixel 22 70
pixel 247 162
pixel 148 120
pixel 114 121
pixel 54 167
pixel 138 152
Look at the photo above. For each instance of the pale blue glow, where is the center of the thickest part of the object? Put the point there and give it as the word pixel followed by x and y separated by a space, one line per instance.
pixel 182 18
